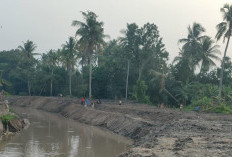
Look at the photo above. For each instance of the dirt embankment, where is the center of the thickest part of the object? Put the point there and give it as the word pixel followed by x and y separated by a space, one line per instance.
pixel 156 132
pixel 10 123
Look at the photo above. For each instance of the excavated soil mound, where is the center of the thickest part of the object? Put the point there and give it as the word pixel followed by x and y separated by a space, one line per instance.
pixel 156 132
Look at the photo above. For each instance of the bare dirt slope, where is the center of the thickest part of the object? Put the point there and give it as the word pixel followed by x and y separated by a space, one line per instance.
pixel 156 132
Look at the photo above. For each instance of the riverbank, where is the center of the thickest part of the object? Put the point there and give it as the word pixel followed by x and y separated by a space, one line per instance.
pixel 9 122
pixel 52 135
pixel 156 132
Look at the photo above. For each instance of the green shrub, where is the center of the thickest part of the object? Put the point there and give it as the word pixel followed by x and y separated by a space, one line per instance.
pixel 203 103
pixel 198 91
pixel 7 118
pixel 11 109
pixel 140 92
pixel 210 105
pixel 222 108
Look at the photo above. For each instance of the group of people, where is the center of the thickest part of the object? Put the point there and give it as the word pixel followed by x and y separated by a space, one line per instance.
pixel 86 102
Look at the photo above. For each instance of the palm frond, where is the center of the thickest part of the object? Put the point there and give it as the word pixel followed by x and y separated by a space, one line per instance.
pixel 221 30
pixel 183 41
pixel 78 23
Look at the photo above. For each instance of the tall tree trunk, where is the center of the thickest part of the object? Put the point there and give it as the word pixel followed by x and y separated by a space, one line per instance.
pixel 222 69
pixel 82 64
pixel 70 82
pixel 99 62
pixel 29 87
pixel 42 89
pixel 201 69
pixel 51 84
pixel 141 68
pixel 90 79
pixel 127 76
pixel 1 76
pixel 140 73
pixel 165 90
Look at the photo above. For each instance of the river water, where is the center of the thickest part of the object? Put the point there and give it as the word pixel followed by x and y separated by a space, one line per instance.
pixel 50 135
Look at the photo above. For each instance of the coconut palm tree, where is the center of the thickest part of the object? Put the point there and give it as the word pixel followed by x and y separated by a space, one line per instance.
pixel 68 57
pixel 91 40
pixel 207 54
pixel 130 45
pixel 194 34
pixel 184 66
pixel 224 29
pixel 27 51
pixel 191 44
pixel 51 60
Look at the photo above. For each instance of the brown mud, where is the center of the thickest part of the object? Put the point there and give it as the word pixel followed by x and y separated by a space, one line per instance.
pixel 156 132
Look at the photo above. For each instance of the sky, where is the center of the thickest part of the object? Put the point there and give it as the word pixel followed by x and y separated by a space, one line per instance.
pixel 48 22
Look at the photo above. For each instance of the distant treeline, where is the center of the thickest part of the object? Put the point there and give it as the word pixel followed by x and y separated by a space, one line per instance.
pixel 132 67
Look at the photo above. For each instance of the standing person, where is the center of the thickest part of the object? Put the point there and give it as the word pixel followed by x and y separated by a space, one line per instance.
pixel 82 101
pixel 162 106
pixel 181 107
pixel 120 102
pixel 87 102
pixel 92 104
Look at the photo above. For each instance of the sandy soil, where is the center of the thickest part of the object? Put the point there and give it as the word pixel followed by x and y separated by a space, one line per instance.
pixel 156 132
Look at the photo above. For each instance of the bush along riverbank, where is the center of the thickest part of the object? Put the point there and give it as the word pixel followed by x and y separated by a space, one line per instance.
pixel 9 122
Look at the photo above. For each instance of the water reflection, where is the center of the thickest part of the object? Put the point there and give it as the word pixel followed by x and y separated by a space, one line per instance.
pixel 33 149
pixel 74 146
pixel 53 136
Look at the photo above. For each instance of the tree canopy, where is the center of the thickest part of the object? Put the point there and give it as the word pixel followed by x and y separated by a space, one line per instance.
pixel 135 66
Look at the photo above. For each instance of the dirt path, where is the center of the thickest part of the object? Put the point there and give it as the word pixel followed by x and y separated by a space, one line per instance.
pixel 156 132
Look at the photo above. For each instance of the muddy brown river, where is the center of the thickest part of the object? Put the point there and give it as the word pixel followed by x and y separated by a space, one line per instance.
pixel 50 135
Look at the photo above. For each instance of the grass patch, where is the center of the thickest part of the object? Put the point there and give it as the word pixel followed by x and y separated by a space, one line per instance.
pixel 189 108
pixel 221 109
pixel 7 118
pixel 11 109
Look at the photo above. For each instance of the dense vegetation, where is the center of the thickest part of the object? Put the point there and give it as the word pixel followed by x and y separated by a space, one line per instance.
pixel 135 66
pixel 6 119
